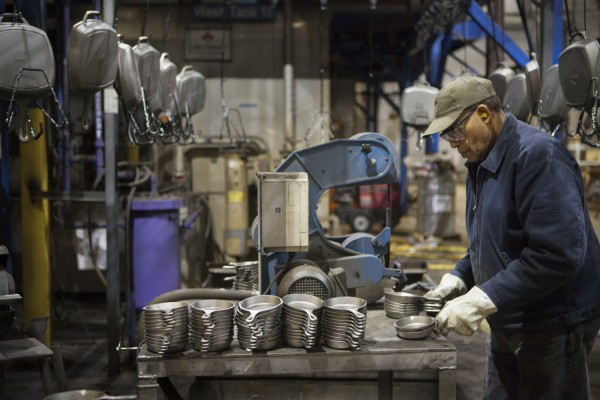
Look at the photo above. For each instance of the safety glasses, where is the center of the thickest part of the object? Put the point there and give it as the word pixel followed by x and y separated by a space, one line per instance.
pixel 456 134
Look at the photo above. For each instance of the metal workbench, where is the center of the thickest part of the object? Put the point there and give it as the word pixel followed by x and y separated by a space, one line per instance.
pixel 381 351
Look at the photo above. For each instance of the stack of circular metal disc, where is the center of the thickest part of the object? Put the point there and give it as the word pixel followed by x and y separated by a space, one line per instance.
pixel 166 327
pixel 246 275
pixel 258 321
pixel 432 306
pixel 344 322
pixel 402 304
pixel 211 325
pixel 301 316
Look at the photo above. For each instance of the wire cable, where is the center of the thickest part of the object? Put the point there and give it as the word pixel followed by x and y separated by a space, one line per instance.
pixel 525 25
pixel 568 18
pixel 494 31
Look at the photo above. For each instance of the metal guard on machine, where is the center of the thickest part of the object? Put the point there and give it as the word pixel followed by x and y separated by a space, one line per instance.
pixel 363 159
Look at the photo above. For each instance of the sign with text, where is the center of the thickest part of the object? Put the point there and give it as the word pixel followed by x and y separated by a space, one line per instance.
pixel 208 44
pixel 234 12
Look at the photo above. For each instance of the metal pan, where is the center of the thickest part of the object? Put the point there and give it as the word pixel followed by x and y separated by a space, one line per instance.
pixel 534 83
pixel 422 334
pixel 92 55
pixel 31 50
pixel 500 78
pixel 414 323
pixel 553 106
pixel 128 76
pixel 577 67
pixel 148 61
pixel 515 100
pixel 87 395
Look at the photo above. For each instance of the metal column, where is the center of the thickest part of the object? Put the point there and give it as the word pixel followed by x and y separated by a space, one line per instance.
pixel 113 311
pixel 35 235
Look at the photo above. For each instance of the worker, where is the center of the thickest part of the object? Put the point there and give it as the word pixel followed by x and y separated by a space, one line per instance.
pixel 532 265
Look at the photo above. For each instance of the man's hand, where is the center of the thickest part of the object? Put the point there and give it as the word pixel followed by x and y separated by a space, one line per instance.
pixel 450 287
pixel 464 314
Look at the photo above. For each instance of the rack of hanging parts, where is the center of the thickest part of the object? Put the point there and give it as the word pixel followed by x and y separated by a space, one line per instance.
pixel 139 86
pixel 579 71
pixel 27 76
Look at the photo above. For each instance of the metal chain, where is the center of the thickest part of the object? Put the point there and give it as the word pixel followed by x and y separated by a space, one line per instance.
pixel 435 19
pixel 11 111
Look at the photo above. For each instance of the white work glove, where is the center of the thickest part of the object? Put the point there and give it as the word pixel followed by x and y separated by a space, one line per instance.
pixel 450 287
pixel 464 314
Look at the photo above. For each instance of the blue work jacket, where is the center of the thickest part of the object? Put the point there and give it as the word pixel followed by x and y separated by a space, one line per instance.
pixel 532 247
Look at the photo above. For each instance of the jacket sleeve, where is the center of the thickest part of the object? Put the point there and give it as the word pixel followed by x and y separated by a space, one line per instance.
pixel 464 272
pixel 550 207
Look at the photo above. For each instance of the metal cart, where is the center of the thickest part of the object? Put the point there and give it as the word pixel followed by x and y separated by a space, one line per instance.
pixel 382 352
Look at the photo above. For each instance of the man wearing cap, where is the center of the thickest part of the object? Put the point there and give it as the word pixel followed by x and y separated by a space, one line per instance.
pixel 532 268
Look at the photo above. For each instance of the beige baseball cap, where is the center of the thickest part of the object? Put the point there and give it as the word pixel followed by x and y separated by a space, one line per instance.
pixel 455 97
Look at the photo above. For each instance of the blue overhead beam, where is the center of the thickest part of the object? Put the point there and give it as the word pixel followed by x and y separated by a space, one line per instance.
pixel 441 47
pixel 497 33
pixel 557 30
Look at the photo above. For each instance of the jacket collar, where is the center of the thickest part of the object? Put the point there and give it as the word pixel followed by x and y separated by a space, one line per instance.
pixel 494 158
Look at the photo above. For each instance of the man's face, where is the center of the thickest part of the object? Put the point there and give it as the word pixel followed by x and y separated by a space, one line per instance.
pixel 470 135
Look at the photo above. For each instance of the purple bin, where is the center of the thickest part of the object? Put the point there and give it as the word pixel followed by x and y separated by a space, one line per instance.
pixel 155 253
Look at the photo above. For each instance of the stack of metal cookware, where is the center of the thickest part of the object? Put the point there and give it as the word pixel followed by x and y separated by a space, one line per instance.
pixel 258 321
pixel 432 306
pixel 211 325
pixel 344 322
pixel 246 275
pixel 402 304
pixel 301 316
pixel 166 327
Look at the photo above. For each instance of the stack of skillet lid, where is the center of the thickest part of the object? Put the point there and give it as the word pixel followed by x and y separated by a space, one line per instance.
pixel 301 318
pixel 258 321
pixel 211 325
pixel 432 306
pixel 402 304
pixel 246 275
pixel 166 327
pixel 344 322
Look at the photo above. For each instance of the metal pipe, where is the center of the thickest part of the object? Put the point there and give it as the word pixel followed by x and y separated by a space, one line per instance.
pixel 99 143
pixel 113 294
pixel 288 77
pixel 66 145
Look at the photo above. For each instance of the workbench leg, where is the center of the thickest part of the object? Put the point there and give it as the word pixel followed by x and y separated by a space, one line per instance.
pixel 59 368
pixel 147 389
pixel 169 389
pixel 447 383
pixel 386 385
pixel 45 372
pixel 2 381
